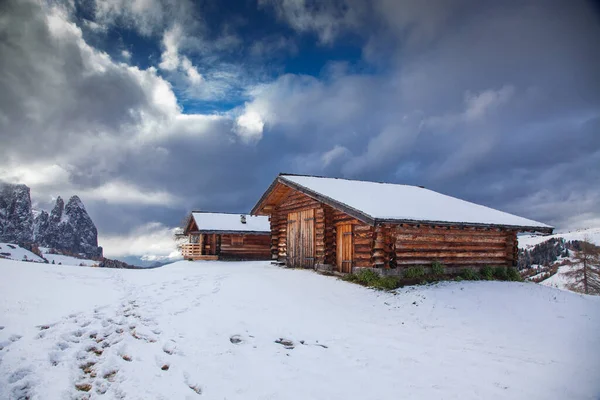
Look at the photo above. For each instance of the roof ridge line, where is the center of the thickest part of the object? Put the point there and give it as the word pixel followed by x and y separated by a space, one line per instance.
pixel 284 174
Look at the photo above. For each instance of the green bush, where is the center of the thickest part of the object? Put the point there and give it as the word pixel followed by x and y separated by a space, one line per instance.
pixel 458 278
pixel 500 273
pixel 414 272
pixel 513 274
pixel 350 278
pixel 469 274
pixel 387 283
pixel 437 268
pixel 487 273
pixel 367 277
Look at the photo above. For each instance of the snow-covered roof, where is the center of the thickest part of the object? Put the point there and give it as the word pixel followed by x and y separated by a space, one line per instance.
pixel 387 201
pixel 209 221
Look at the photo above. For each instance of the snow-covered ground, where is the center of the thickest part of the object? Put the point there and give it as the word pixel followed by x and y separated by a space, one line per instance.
pixel 14 252
pixel 210 329
pixel 560 280
pixel 591 234
pixel 66 260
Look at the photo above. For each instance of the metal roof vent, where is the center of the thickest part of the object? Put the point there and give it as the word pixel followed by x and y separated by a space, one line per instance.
pixel 243 219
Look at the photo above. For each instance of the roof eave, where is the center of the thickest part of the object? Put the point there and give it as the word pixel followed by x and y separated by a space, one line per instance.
pixel 540 229
pixel 359 215
pixel 257 206
pixel 187 224
pixel 210 231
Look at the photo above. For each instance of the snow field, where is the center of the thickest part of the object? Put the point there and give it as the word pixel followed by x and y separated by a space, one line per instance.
pixel 249 330
pixel 14 252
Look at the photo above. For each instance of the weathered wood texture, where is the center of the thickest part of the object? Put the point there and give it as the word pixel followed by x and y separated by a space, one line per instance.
pixel 345 250
pixel 243 246
pixel 301 239
pixel 386 245
pixel 296 202
pixel 452 246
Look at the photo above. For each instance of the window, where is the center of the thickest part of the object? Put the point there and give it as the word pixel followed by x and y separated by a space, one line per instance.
pixel 237 240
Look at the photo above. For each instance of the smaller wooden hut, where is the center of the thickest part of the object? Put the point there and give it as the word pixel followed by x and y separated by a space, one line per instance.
pixel 226 236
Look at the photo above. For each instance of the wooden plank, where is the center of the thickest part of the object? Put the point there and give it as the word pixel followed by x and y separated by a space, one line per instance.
pixel 456 254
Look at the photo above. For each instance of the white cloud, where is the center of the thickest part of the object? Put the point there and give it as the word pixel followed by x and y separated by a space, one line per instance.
pixel 126 54
pixel 147 17
pixel 477 105
pixel 249 126
pixel 152 241
pixel 95 27
pixel 338 152
pixel 191 72
pixel 35 175
pixel 326 18
pixel 117 192
pixel 169 59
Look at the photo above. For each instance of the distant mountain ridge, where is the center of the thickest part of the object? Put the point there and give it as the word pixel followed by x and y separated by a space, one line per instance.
pixel 67 228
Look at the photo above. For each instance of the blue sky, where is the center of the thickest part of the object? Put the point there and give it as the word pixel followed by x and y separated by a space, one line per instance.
pixel 150 108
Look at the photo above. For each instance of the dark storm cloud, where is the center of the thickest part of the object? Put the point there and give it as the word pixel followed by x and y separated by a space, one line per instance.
pixel 53 90
pixel 495 102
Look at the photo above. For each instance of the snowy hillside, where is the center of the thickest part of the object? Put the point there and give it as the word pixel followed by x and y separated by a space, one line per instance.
pixel 254 331
pixel 66 260
pixel 563 264
pixel 591 234
pixel 14 252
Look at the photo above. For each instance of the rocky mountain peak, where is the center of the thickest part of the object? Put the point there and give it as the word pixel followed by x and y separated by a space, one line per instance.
pixel 16 218
pixel 57 212
pixel 68 228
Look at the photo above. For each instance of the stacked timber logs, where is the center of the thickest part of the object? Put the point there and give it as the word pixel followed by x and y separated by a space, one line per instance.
pixel 363 244
pixel 320 235
pixel 274 236
pixel 330 244
pixel 417 244
pixel 247 246
pixel 379 254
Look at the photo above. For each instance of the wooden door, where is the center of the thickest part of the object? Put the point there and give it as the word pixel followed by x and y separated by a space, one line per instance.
pixel 345 249
pixel 301 239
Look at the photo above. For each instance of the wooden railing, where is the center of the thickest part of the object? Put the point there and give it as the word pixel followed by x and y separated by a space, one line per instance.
pixel 191 250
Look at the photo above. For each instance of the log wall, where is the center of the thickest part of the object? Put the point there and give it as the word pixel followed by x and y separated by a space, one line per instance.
pixel 362 239
pixel 393 245
pixel 294 202
pixel 408 245
pixel 251 247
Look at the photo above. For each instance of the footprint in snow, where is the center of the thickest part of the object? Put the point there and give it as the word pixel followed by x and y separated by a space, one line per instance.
pixel 54 358
pixel 236 339
pixel 14 338
pixel 18 375
pixel 286 343
pixel 192 384
pixel 169 347
pixel 21 385
pixel 62 345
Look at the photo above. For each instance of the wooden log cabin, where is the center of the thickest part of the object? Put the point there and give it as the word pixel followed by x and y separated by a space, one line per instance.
pixel 343 225
pixel 223 236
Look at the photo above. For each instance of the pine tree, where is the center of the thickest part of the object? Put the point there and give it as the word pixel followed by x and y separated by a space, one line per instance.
pixel 586 271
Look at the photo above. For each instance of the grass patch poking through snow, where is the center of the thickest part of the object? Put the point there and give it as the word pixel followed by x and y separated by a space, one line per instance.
pixel 417 275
